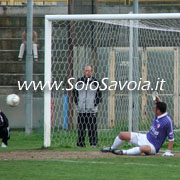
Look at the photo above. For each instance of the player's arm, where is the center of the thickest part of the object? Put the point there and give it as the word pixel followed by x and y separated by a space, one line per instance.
pixel 98 97
pixel 168 151
pixel 170 145
pixel 170 137
pixel 156 97
pixel 76 94
pixel 170 132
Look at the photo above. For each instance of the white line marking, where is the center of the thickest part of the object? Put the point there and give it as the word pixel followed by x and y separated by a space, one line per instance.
pixel 74 161
pixel 155 165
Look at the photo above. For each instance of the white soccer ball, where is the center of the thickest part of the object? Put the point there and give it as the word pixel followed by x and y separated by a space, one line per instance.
pixel 12 100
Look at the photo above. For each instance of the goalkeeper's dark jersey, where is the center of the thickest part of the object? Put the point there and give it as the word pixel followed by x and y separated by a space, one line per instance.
pixel 3 120
pixel 161 128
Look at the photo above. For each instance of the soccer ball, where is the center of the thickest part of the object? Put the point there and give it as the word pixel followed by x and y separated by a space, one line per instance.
pixel 12 100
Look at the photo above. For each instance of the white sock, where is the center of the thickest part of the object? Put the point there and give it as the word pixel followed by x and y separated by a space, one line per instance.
pixel 117 143
pixel 133 151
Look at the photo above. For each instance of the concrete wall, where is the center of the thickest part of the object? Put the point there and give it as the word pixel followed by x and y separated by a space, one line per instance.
pixel 39 11
pixel 83 7
pixel 117 8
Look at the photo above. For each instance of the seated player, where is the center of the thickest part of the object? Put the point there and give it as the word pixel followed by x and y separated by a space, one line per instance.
pixel 4 129
pixel 150 143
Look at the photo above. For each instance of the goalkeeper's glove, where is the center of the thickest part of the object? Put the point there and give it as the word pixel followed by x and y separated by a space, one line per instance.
pixel 155 95
pixel 167 153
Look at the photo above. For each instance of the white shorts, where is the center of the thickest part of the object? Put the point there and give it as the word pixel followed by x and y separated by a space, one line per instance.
pixel 139 139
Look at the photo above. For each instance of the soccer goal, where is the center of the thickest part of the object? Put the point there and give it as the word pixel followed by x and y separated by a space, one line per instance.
pixel 118 47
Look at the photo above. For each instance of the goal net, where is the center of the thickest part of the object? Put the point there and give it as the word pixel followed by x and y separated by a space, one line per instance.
pixel 122 48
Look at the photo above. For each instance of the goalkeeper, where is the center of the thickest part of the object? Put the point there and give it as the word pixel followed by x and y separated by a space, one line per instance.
pixel 150 143
pixel 4 129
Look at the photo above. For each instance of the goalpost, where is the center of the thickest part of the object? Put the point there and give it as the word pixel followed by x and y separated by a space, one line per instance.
pixel 121 47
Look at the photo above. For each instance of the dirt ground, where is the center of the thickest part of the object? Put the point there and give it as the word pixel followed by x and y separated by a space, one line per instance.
pixel 45 155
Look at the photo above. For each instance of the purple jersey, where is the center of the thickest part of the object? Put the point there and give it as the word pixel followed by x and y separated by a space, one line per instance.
pixel 161 128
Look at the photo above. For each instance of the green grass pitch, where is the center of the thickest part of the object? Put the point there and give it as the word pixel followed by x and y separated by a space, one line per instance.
pixel 122 168
pixel 117 168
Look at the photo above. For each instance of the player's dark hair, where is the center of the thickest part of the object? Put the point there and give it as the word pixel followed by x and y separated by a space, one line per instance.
pixel 161 106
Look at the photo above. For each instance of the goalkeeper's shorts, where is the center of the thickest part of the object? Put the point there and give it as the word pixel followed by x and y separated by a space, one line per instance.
pixel 139 139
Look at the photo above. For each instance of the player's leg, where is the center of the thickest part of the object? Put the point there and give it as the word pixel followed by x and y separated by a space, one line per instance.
pixel 21 51
pixel 146 149
pixel 119 140
pixel 140 140
pixel 81 130
pixel 123 136
pixel 35 52
pixel 92 129
pixel 5 136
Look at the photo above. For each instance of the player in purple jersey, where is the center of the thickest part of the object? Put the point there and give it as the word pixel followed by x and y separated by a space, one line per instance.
pixel 150 143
